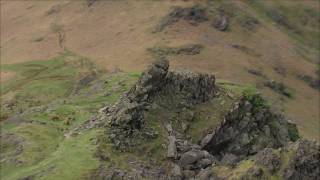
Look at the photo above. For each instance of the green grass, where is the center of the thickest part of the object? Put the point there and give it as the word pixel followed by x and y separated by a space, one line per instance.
pixel 40 142
pixel 49 86
pixel 40 82
pixel 73 159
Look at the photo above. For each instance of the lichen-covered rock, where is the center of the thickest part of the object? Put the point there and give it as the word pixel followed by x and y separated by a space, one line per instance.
pixel 205 174
pixel 176 172
pixel 172 148
pixel 305 163
pixel 195 159
pixel 126 119
pixel 229 159
pixel 221 22
pixel 269 159
pixel 250 127
pixel 192 87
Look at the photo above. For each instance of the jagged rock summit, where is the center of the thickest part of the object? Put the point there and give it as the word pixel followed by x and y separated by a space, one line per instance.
pixel 249 133
pixel 127 116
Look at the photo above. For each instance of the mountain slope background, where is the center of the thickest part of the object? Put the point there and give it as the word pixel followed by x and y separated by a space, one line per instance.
pixel 117 34
pixel 74 57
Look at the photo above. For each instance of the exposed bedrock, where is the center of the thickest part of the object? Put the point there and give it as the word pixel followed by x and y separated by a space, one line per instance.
pixel 248 128
pixel 305 163
pixel 127 116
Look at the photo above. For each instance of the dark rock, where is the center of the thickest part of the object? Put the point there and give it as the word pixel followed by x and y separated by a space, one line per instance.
pixel 254 173
pixel 269 159
pixel 90 2
pixel 246 50
pixel 250 23
pixel 250 127
pixel 221 22
pixel 204 174
pixel 188 174
pixel 281 70
pixel 279 87
pixel 176 172
pixel 192 87
pixel 126 118
pixel 183 146
pixel 305 163
pixel 256 72
pixel 203 163
pixel 279 18
pixel 190 158
pixel 164 51
pixel 312 82
pixel 196 159
pixel 194 15
pixel 230 159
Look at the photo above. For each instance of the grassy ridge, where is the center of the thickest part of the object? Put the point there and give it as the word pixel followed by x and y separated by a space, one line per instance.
pixel 46 101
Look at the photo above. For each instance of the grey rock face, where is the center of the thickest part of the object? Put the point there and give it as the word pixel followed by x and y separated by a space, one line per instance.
pixel 229 159
pixel 176 172
pixel 203 163
pixel 195 159
pixel 172 148
pixel 206 140
pixel 190 157
pixel 269 159
pixel 221 22
pixel 305 163
pixel 205 174
pixel 127 116
pixel 248 128
pixel 193 87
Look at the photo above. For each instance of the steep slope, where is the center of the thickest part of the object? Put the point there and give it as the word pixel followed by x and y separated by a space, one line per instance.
pixel 274 40
pixel 64 116
pixel 162 107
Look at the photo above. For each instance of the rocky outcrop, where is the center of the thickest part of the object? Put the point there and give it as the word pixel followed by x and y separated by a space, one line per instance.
pixel 295 161
pixel 305 163
pixel 191 162
pixel 190 87
pixel 194 15
pixel 162 52
pixel 269 159
pixel 248 128
pixel 126 118
pixel 221 22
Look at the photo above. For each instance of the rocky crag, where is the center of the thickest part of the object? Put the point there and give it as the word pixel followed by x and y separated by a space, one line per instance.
pixel 250 133
pixel 248 128
pixel 127 123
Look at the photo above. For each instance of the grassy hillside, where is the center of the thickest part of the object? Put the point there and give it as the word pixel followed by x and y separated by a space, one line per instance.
pixel 47 104
pixel 62 61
